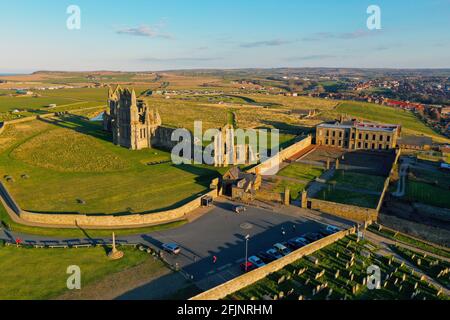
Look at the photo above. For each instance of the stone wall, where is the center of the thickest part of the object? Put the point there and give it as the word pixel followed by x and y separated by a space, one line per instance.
pixel 98 221
pixel 264 195
pixel 346 211
pixel 283 155
pixel 163 138
pixel 250 278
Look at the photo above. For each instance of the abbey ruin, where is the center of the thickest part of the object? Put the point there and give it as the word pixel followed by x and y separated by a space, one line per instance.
pixel 132 123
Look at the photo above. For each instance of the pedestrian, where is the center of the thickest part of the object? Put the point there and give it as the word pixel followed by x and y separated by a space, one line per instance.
pixel 214 259
pixel 294 227
pixel 282 231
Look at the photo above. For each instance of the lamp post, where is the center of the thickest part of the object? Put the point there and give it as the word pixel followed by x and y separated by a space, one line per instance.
pixel 247 237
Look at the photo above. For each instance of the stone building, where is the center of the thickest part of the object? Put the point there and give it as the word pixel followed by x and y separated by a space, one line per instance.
pixel 132 123
pixel 357 135
pixel 240 185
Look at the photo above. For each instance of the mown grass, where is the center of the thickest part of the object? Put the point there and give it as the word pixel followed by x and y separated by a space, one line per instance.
pixel 107 178
pixel 42 273
pixel 348 197
pixel 301 171
pixel 428 194
pixel 358 180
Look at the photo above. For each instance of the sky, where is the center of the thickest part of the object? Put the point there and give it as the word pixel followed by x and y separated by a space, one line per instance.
pixel 138 35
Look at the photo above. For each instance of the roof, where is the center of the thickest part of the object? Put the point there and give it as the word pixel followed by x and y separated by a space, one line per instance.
pixel 367 126
pixel 415 141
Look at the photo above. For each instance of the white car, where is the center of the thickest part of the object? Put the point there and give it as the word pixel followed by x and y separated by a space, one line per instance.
pixel 256 261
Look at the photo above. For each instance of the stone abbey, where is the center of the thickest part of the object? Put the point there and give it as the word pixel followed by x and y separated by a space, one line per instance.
pixel 132 123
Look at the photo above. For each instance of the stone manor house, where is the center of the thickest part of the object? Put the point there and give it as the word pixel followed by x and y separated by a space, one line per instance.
pixel 357 135
pixel 132 123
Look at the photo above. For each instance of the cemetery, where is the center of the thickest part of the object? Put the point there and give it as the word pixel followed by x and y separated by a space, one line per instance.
pixel 339 272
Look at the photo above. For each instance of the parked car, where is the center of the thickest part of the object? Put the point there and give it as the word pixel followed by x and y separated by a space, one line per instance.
pixel 265 257
pixel 172 248
pixel 329 230
pixel 257 262
pixel 274 254
pixel 240 209
pixel 312 237
pixel 281 248
pixel 297 243
pixel 247 266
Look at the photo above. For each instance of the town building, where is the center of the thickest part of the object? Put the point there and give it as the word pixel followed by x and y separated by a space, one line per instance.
pixel 358 135
pixel 132 123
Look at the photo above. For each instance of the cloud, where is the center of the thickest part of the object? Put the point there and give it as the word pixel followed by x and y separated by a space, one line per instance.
pixel 341 35
pixel 145 31
pixel 311 57
pixel 266 43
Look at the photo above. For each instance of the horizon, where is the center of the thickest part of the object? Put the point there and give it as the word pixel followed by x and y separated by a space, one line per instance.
pixel 244 35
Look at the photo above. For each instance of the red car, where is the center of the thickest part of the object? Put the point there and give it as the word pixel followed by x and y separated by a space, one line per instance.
pixel 246 267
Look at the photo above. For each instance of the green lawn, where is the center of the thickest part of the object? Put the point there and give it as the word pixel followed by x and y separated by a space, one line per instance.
pixel 301 171
pixel 373 112
pixel 108 178
pixel 295 188
pixel 358 180
pixel 428 194
pixel 347 197
pixel 41 273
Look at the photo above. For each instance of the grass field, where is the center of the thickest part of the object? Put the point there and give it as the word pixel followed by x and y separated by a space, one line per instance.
pixel 295 188
pixel 107 178
pixel 301 171
pixel 348 197
pixel 410 123
pixel 428 194
pixel 358 180
pixel 41 273
pixel 302 277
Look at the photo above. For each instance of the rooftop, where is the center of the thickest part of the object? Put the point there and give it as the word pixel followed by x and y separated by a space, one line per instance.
pixel 368 126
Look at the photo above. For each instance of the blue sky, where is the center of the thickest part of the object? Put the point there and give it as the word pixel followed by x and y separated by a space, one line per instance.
pixel 175 34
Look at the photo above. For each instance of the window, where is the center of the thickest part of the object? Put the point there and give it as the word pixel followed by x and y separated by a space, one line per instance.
pixel 388 139
pixel 360 136
pixel 359 145
pixel 327 141
pixel 367 136
pixel 381 137
pixel 374 137
pixel 340 134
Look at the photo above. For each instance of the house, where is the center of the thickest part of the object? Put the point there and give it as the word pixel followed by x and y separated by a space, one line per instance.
pixel 240 185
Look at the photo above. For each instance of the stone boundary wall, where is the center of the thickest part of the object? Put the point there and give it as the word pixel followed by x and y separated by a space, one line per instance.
pixel 250 278
pixel 388 180
pixel 281 156
pixel 346 211
pixel 98 221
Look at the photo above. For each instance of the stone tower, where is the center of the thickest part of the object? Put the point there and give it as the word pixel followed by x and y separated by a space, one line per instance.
pixel 132 123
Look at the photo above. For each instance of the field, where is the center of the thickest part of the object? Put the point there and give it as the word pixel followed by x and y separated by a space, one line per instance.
pixel 336 277
pixel 301 171
pixel 358 180
pixel 93 175
pixel 349 197
pixel 410 123
pixel 21 279
pixel 427 193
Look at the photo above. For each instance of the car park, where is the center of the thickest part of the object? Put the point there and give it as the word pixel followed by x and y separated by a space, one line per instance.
pixel 312 237
pixel 265 257
pixel 257 262
pixel 274 254
pixel 239 209
pixel 329 230
pixel 297 243
pixel 282 249
pixel 172 248
pixel 247 266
